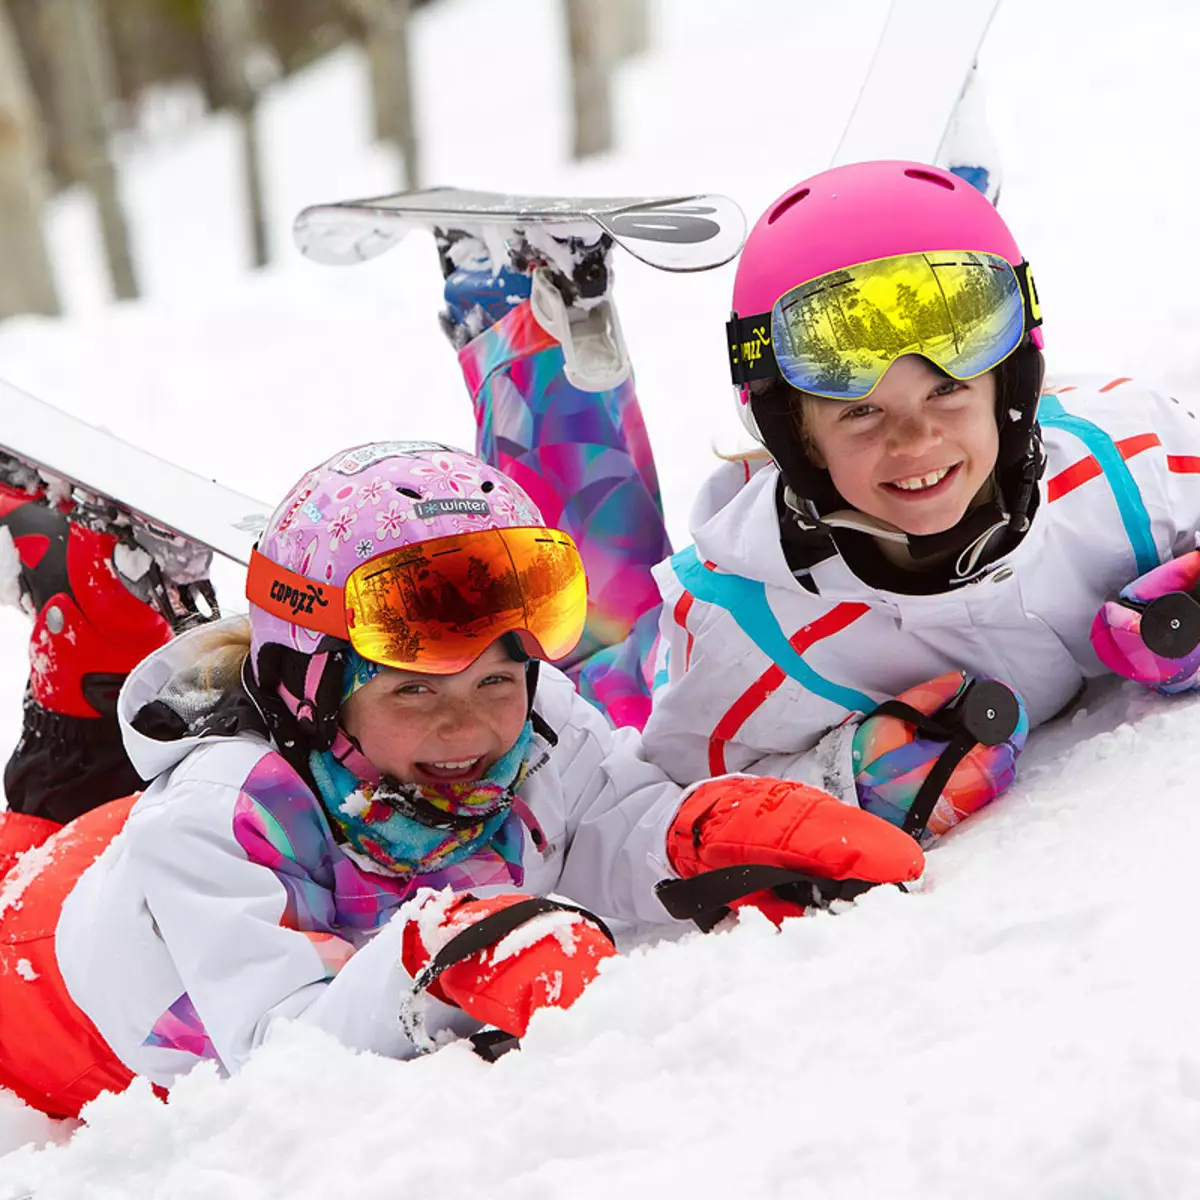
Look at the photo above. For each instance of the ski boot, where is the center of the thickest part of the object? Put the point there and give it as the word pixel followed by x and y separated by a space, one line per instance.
pixel 103 594
pixel 565 277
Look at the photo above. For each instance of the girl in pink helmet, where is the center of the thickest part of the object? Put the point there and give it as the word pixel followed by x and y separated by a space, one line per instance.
pixel 910 578
pixel 358 793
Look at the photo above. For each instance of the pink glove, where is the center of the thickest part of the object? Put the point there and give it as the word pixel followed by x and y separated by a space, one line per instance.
pixel 1151 632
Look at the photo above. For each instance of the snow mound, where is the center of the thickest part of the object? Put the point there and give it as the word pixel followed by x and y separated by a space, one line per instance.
pixel 1019 1025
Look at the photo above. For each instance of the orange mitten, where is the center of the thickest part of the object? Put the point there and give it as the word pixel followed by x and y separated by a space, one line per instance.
pixel 768 844
pixel 744 819
pixel 522 953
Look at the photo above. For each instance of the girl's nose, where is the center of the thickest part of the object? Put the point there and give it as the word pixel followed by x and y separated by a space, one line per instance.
pixel 458 716
pixel 913 435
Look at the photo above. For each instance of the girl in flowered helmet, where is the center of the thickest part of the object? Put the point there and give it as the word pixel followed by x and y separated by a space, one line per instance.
pixel 888 599
pixel 360 791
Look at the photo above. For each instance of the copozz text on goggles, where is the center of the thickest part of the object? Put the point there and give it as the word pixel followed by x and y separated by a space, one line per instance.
pixel 835 336
pixel 435 606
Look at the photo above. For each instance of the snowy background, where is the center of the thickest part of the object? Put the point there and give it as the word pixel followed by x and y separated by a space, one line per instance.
pixel 1024 1024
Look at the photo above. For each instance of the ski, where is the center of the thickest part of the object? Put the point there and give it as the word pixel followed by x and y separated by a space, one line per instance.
pixel 137 484
pixel 926 54
pixel 672 233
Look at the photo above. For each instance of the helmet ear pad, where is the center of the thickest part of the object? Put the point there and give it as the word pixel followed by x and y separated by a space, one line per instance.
pixel 776 407
pixel 299 695
pixel 1019 381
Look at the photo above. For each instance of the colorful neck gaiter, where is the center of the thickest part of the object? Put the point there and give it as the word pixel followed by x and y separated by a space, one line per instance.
pixel 423 828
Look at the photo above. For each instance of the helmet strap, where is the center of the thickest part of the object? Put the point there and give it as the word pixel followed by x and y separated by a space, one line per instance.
pixel 299 695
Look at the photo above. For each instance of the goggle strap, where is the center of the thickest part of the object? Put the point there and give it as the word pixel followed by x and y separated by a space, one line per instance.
pixel 1033 310
pixel 751 353
pixel 293 597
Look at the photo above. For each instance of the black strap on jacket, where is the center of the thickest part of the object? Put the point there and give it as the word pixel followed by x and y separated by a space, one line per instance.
pixel 986 713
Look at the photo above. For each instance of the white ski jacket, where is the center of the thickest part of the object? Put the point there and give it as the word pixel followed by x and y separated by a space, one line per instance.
pixel 226 903
pixel 758 674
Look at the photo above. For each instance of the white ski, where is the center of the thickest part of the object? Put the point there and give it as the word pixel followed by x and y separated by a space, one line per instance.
pixel 134 481
pixel 673 233
pixel 920 69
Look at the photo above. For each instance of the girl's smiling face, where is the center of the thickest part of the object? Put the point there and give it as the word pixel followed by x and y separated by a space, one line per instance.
pixel 916 452
pixel 439 728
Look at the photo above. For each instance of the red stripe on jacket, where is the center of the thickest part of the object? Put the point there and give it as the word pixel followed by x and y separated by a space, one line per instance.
pixel 682 607
pixel 760 690
pixel 1183 464
pixel 1088 468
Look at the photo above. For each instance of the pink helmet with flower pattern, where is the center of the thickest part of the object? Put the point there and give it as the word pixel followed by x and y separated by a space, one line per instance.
pixel 370 499
pixel 359 505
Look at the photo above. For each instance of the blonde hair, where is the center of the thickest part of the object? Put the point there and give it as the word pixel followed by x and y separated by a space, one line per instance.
pixel 800 402
pixel 218 655
pixel 758 455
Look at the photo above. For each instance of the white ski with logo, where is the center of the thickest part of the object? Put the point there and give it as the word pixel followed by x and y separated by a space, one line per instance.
pixel 136 482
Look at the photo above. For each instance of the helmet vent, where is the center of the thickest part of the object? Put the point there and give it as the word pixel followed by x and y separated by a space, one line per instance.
pixel 487 486
pixel 785 204
pixel 942 181
pixel 411 493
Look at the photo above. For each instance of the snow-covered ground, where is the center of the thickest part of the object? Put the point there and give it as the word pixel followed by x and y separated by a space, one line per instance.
pixel 1021 1025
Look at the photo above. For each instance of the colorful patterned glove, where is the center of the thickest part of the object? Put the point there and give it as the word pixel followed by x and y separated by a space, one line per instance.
pixel 939 752
pixel 544 960
pixel 1151 632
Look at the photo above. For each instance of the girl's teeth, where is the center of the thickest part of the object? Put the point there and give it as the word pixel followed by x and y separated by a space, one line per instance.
pixel 455 766
pixel 916 482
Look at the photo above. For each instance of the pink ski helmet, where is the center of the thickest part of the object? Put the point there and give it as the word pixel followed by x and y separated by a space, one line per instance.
pixel 359 504
pixel 858 213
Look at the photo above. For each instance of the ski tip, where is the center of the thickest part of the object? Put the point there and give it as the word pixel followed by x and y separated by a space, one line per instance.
pixel 694 234
pixel 336 235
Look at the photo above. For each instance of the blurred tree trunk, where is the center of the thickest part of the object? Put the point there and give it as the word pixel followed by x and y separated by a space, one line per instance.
pixel 589 43
pixel 231 33
pixel 26 280
pixel 630 28
pixel 382 26
pixel 156 42
pixel 83 81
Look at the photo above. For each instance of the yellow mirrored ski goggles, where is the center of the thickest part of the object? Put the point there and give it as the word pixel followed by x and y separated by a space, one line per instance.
pixel 836 336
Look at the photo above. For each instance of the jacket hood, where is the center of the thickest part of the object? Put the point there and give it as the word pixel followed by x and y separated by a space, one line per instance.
pixel 735 525
pixel 170 677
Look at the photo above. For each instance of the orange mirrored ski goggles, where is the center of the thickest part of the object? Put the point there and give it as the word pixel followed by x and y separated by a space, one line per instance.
pixel 836 336
pixel 435 606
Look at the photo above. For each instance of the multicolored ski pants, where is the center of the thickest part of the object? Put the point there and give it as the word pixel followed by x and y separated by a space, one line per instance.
pixel 585 460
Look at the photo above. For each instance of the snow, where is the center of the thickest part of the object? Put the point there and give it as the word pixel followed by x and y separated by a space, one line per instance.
pixel 558 925
pixel 130 563
pixel 29 865
pixel 1023 1023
